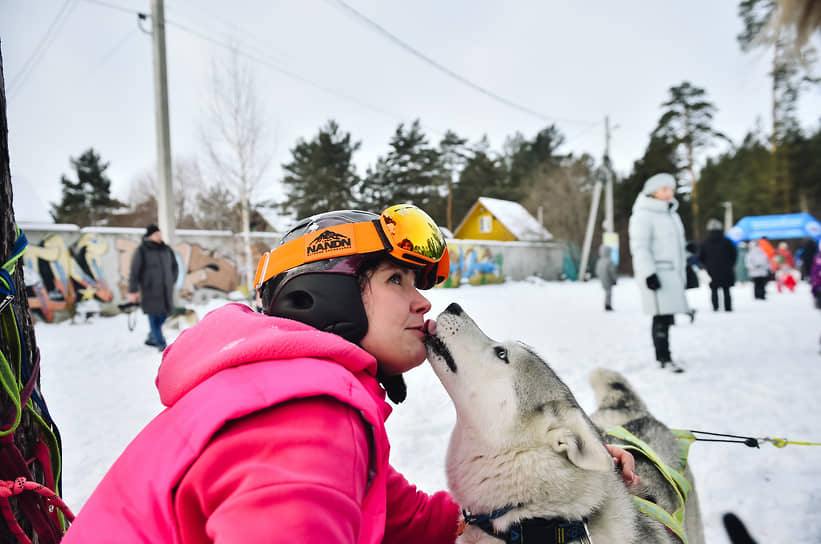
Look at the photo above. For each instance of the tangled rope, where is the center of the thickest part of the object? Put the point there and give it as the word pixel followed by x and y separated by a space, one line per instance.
pixel 18 486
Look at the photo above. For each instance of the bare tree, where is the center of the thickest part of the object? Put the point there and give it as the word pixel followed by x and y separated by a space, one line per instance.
pixel 236 141
pixel 187 183
pixel 563 192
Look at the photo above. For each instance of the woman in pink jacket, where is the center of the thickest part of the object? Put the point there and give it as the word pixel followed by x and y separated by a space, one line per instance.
pixel 274 426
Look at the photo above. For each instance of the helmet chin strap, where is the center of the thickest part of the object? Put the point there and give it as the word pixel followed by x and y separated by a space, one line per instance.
pixel 394 386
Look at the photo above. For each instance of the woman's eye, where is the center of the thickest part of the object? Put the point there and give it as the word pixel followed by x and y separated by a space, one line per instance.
pixel 501 353
pixel 396 278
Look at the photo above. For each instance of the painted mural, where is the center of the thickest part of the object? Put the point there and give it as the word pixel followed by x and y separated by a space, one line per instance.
pixel 59 276
pixel 472 264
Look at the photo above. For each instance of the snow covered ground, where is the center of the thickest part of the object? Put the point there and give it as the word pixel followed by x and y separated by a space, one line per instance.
pixel 755 372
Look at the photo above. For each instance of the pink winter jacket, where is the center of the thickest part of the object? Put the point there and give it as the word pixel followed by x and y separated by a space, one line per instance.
pixel 273 431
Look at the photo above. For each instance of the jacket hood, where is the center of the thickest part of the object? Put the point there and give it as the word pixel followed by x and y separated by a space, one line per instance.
pixel 235 335
pixel 650 204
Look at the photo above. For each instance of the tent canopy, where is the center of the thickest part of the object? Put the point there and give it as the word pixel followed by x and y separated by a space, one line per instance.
pixel 776 227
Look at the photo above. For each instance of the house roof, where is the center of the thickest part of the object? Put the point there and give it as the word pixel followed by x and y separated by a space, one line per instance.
pixel 516 219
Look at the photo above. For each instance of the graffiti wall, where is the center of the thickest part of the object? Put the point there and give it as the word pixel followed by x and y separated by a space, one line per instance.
pixel 483 262
pixel 64 267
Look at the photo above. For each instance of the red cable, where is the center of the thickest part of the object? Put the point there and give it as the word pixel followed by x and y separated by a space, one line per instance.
pixel 7 489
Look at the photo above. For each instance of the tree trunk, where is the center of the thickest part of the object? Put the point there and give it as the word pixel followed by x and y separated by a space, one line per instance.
pixel 27 433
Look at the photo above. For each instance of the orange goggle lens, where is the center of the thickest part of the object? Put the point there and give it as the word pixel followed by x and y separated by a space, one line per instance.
pixel 406 232
pixel 413 235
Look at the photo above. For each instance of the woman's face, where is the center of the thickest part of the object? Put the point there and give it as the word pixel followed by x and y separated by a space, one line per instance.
pixel 396 319
pixel 664 193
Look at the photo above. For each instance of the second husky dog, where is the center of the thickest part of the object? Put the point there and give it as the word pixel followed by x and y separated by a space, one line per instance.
pixel 525 460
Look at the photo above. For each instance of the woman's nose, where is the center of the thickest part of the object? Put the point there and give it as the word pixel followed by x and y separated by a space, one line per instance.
pixel 421 304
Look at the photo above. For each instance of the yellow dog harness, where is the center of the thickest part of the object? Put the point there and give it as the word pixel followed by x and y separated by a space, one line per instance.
pixel 675 521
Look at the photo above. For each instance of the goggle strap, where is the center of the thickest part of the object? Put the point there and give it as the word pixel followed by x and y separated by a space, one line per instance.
pixel 262 267
pixel 367 238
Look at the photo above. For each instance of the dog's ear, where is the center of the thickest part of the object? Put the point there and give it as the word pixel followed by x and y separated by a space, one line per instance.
pixel 580 444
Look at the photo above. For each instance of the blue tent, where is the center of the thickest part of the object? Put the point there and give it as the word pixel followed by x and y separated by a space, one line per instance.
pixel 776 227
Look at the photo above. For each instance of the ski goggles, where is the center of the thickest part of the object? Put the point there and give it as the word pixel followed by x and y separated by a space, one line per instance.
pixel 404 232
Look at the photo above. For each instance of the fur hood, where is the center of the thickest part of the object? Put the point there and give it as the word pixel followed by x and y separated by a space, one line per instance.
pixel 234 335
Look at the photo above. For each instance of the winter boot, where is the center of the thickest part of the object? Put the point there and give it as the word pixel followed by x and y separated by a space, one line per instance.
pixel 608 308
pixel 671 366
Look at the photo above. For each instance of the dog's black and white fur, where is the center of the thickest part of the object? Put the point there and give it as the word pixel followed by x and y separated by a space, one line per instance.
pixel 521 441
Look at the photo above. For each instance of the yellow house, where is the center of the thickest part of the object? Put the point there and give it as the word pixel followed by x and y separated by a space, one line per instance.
pixel 502 220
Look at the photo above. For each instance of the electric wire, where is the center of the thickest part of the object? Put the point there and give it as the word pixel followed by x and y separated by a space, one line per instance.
pixel 259 59
pixel 270 64
pixel 112 6
pixel 19 80
pixel 475 86
pixel 111 52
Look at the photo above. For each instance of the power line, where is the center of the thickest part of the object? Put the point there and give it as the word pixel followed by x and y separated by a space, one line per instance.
pixel 53 29
pixel 415 52
pixel 113 6
pixel 116 47
pixel 288 73
pixel 264 61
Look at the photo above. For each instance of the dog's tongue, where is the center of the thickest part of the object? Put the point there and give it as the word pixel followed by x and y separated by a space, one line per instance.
pixel 430 327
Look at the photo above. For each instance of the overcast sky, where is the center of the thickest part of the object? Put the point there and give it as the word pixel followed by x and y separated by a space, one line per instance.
pixel 88 82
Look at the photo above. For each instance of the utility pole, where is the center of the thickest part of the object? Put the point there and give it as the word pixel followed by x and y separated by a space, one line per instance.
pixel 608 192
pixel 604 179
pixel 165 196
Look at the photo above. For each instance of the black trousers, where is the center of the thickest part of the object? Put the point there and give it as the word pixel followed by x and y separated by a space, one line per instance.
pixel 758 287
pixel 661 336
pixel 728 302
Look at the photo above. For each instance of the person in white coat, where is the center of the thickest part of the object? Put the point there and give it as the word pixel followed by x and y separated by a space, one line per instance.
pixel 657 246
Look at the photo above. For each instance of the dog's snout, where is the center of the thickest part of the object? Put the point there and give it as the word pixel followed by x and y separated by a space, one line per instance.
pixel 454 309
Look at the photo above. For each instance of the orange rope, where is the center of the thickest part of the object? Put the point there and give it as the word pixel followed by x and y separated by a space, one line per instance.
pixel 7 489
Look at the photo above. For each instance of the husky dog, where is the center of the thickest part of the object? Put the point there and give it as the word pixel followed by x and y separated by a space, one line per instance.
pixel 181 318
pixel 524 457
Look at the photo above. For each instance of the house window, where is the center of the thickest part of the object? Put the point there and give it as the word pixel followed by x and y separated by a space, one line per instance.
pixel 485 223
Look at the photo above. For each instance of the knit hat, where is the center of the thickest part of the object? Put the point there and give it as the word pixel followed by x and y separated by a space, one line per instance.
pixel 654 183
pixel 151 229
pixel 714 224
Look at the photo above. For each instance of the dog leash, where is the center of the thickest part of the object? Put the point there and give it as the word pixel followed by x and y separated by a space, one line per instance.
pixel 748 441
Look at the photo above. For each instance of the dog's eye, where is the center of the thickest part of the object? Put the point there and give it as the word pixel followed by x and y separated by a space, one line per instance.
pixel 501 353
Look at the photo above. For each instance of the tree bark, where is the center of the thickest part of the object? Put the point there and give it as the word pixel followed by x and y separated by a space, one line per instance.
pixel 27 433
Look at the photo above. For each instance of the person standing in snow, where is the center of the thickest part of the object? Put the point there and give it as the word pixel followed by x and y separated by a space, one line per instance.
pixel 815 277
pixel 606 271
pixel 274 427
pixel 154 271
pixel 718 256
pixel 758 266
pixel 657 245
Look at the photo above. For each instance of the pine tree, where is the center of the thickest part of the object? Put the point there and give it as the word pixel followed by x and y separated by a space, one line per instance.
pixel 792 67
pixel 86 201
pixel 687 124
pixel 481 174
pixel 410 172
pixel 523 157
pixel 454 154
pixel 321 175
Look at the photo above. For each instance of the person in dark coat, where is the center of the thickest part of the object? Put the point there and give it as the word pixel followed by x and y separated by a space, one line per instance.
pixel 718 256
pixel 153 273
pixel 808 250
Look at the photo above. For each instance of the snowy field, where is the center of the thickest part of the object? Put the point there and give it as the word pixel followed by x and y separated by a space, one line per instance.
pixel 755 372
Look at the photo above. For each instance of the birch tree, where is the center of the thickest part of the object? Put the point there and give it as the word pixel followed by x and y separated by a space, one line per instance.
pixel 236 142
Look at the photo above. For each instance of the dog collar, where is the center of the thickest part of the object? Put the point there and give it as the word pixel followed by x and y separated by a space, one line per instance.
pixel 535 530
